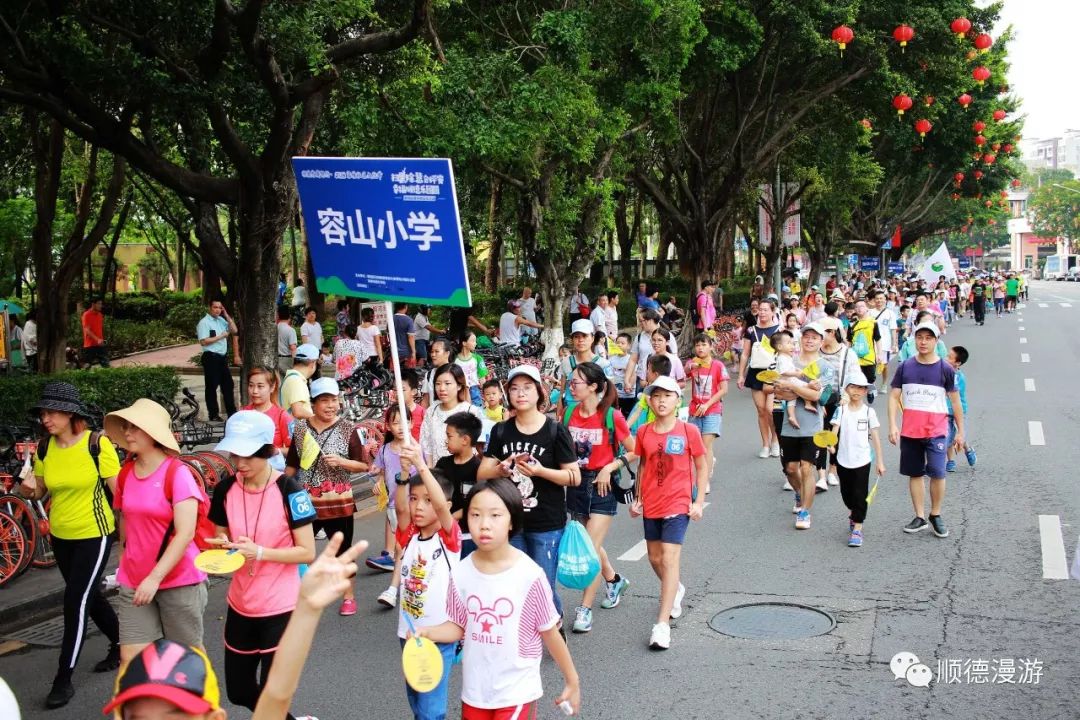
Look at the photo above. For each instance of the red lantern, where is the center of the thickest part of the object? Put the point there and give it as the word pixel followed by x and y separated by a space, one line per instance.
pixel 999 115
pixel 995 147
pixel 960 26
pixel 983 42
pixel 978 175
pixel 903 35
pixel 980 140
pixel 977 155
pixel 923 126
pixel 955 197
pixel 901 102
pixel 1007 147
pixel 981 74
pixel 1016 182
pixel 866 124
pixel 991 221
pixel 1004 194
pixel 958 177
pixel 989 203
pixel 929 100
pixel 989 158
pixel 978 126
pixel 971 55
pixel 964 100
pixel 842 35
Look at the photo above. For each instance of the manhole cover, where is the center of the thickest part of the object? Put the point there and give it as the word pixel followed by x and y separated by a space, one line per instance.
pixel 772 621
pixel 48 634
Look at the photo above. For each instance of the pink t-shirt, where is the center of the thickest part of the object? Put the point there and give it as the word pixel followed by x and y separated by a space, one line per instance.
pixel 282 419
pixel 147 514
pixel 267 517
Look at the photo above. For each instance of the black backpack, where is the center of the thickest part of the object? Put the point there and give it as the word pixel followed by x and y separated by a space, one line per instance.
pixel 94 446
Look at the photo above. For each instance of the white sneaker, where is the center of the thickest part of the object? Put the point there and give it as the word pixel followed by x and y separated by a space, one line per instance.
pixel 388 597
pixel 787 486
pixel 775 450
pixel 676 607
pixel 822 486
pixel 321 535
pixel 833 480
pixel 661 636
pixel 764 453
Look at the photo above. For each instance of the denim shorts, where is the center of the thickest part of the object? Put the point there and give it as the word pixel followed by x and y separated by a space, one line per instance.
pixel 670 530
pixel 921 457
pixel 708 424
pixel 583 500
pixel 421 350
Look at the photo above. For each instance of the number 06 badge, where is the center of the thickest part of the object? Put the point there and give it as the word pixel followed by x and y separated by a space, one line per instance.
pixel 675 445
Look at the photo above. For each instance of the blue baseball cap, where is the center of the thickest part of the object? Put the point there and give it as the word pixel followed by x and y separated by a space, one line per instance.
pixel 307 351
pixel 246 433
pixel 324 386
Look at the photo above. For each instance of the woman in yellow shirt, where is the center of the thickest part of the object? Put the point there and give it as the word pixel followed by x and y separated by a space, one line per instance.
pixel 81 523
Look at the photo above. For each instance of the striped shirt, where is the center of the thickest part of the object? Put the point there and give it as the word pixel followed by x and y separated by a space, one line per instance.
pixel 924 390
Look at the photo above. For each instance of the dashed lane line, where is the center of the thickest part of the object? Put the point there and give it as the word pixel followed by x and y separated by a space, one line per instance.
pixel 1035 433
pixel 1053 548
pixel 1029 384
pixel 1025 358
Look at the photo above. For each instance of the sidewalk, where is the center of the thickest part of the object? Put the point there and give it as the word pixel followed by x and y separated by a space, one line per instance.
pixel 178 357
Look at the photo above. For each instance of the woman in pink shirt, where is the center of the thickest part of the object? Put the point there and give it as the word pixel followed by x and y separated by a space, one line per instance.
pixel 266 517
pixel 162 593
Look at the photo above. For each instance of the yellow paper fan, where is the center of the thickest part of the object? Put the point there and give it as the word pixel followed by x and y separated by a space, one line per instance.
pixel 309 452
pixel 873 492
pixel 766 345
pixel 382 495
pixel 812 371
pixel 613 348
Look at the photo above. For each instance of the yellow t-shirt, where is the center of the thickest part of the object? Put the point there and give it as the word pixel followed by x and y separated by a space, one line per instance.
pixel 294 389
pixel 80 509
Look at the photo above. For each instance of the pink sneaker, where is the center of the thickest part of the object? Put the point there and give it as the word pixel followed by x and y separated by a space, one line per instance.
pixel 348 607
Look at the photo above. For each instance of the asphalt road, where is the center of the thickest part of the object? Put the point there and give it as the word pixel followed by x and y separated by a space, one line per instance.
pixel 982 600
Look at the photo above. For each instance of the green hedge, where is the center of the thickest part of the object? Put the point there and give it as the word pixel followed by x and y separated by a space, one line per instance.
pixel 123 337
pixel 108 388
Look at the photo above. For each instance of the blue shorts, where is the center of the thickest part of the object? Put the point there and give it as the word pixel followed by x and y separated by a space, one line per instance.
pixel 583 500
pixel 921 457
pixel 670 530
pixel 421 350
pixel 952 432
pixel 709 424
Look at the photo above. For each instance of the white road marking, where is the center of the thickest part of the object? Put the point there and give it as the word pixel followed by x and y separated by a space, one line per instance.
pixel 1035 433
pixel 1054 564
pixel 640 549
pixel 1043 305
pixel 1066 304
pixel 1021 328
pixel 1024 357
pixel 1023 341
pixel 635 553
pixel 1029 384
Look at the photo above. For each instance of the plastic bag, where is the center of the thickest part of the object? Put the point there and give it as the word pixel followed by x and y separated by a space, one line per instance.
pixel 578 561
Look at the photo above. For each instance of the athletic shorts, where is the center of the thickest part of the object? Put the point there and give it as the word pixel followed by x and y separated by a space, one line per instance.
pixel 583 500
pixel 921 457
pixel 709 424
pixel 250 635
pixel 751 379
pixel 798 449
pixel 175 613
pixel 869 372
pixel 516 712
pixel 670 530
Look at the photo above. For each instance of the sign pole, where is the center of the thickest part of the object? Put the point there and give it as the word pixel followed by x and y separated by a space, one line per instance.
pixel 391 331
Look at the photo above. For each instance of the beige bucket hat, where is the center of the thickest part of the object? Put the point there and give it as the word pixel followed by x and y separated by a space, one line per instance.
pixel 149 417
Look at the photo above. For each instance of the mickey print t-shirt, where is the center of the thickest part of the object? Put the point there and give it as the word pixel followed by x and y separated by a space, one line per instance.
pixel 503 616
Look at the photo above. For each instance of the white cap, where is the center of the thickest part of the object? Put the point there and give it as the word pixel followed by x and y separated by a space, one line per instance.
pixel 814 327
pixel 664 382
pixel 927 326
pixel 858 379
pixel 582 326
pixel 324 386
pixel 527 370
pixel 307 351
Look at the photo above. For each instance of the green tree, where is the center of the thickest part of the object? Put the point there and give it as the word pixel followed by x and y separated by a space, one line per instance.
pixel 1055 210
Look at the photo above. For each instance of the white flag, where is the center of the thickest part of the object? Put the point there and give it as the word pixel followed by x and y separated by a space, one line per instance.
pixel 937 265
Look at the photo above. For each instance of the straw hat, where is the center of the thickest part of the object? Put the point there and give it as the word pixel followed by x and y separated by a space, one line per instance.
pixel 149 417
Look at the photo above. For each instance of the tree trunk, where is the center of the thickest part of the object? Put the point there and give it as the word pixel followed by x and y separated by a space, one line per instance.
pixel 495 240
pixel 315 298
pixel 294 252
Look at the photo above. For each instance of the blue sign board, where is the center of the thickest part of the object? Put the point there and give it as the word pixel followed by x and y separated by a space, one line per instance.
pixel 870 263
pixel 853 260
pixel 384 228
pixel 896 268
pixel 965 262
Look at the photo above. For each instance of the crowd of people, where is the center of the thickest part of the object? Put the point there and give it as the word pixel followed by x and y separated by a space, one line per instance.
pixel 479 479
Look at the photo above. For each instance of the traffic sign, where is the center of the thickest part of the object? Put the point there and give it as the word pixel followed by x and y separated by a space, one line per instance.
pixel 870 263
pixel 896 268
pixel 384 228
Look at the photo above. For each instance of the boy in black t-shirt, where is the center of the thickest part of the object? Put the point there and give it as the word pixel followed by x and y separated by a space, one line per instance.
pixel 462 433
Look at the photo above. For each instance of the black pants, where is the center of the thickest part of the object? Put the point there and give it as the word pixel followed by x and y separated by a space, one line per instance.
pixel 343 525
pixel 626 405
pixel 854 486
pixel 250 643
pixel 869 372
pixel 95 355
pixel 980 309
pixel 82 563
pixel 216 375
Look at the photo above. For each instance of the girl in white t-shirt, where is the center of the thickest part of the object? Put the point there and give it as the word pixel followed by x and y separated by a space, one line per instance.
pixel 500 604
pixel 858 445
